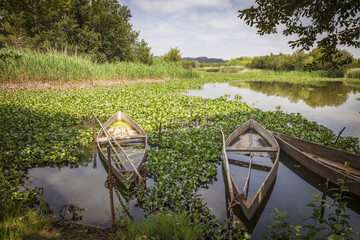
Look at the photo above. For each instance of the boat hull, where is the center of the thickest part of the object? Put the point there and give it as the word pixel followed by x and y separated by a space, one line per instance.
pixel 249 206
pixel 317 158
pixel 123 177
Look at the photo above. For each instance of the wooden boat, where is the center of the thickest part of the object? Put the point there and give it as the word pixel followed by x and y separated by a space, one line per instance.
pixel 117 134
pixel 324 161
pixel 253 141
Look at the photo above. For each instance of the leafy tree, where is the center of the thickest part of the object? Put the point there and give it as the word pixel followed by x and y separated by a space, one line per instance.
pixel 173 55
pixel 326 24
pixel 98 28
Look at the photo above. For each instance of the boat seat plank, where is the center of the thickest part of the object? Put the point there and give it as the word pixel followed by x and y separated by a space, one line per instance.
pixel 136 136
pixel 246 165
pixel 251 149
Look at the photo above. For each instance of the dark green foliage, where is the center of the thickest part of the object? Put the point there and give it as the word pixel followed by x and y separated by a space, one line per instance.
pixel 322 24
pixel 100 29
pixel 334 226
pixel 173 55
pixel 188 64
pixel 300 60
pixel 205 60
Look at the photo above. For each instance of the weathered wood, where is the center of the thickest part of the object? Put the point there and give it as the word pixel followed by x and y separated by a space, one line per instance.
pixel 246 165
pixel 110 187
pixel 226 166
pixel 323 161
pixel 110 141
pixel 119 146
pixel 137 136
pixel 250 149
pixel 123 177
pixel 246 185
pixel 338 136
pixel 249 206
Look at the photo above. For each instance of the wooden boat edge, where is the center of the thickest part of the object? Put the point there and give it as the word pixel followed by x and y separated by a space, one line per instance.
pixel 317 167
pixel 115 171
pixel 249 207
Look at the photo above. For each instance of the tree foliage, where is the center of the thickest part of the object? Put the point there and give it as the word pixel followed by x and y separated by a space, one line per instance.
pixel 322 24
pixel 99 28
pixel 173 55
pixel 299 60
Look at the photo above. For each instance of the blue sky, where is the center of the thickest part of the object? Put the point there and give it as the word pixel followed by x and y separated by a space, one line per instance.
pixel 203 28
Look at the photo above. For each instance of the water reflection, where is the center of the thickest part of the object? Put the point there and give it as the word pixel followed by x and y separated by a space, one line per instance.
pixel 321 94
pixel 83 186
pixel 290 192
pixel 336 102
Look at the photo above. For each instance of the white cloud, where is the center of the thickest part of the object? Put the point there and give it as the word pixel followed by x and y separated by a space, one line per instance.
pixel 174 6
pixel 204 28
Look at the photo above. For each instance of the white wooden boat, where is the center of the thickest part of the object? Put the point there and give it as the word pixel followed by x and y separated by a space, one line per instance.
pixel 116 134
pixel 253 141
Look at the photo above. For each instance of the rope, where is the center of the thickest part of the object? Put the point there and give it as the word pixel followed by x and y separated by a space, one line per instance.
pixel 234 200
pixel 110 182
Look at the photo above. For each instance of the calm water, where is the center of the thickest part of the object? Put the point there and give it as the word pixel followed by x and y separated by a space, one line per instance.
pixel 333 105
pixel 83 186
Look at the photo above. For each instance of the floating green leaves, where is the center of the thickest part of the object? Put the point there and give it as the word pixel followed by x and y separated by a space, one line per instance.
pixel 42 128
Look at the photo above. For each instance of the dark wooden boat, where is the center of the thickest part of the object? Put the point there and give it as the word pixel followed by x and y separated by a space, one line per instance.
pixel 248 142
pixel 325 161
pixel 127 143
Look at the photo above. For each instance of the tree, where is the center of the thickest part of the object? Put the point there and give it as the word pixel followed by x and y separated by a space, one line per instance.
pixel 325 23
pixel 99 28
pixel 173 55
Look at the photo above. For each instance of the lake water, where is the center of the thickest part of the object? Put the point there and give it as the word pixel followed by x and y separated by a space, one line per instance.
pixel 333 105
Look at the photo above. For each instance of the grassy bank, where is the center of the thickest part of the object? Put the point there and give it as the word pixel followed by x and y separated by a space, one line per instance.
pixel 283 76
pixel 28 66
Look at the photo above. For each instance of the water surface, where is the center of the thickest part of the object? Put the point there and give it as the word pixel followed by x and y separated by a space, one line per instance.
pixel 332 104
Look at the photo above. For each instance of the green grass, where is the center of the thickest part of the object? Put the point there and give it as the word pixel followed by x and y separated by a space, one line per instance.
pixel 162 226
pixel 353 73
pixel 29 225
pixel 269 75
pixel 28 66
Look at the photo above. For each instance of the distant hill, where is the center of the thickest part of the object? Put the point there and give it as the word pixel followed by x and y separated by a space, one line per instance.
pixel 205 60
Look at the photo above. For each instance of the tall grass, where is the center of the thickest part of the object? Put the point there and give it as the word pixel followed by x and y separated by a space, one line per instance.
pixel 163 226
pixel 28 66
pixel 29 225
pixel 288 76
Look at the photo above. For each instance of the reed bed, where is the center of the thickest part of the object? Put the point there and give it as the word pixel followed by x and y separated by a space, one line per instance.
pixel 28 66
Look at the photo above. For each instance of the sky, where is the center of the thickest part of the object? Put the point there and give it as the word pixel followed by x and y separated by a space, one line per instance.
pixel 207 28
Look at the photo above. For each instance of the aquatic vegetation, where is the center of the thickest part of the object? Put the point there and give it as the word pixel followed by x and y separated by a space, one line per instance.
pixel 41 128
pixel 333 226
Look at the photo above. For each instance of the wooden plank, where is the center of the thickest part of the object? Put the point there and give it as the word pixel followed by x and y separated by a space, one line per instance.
pixel 137 136
pixel 226 166
pixel 246 164
pixel 251 149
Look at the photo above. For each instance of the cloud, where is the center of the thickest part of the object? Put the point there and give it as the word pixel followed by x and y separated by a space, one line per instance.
pixel 204 28
pixel 174 6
